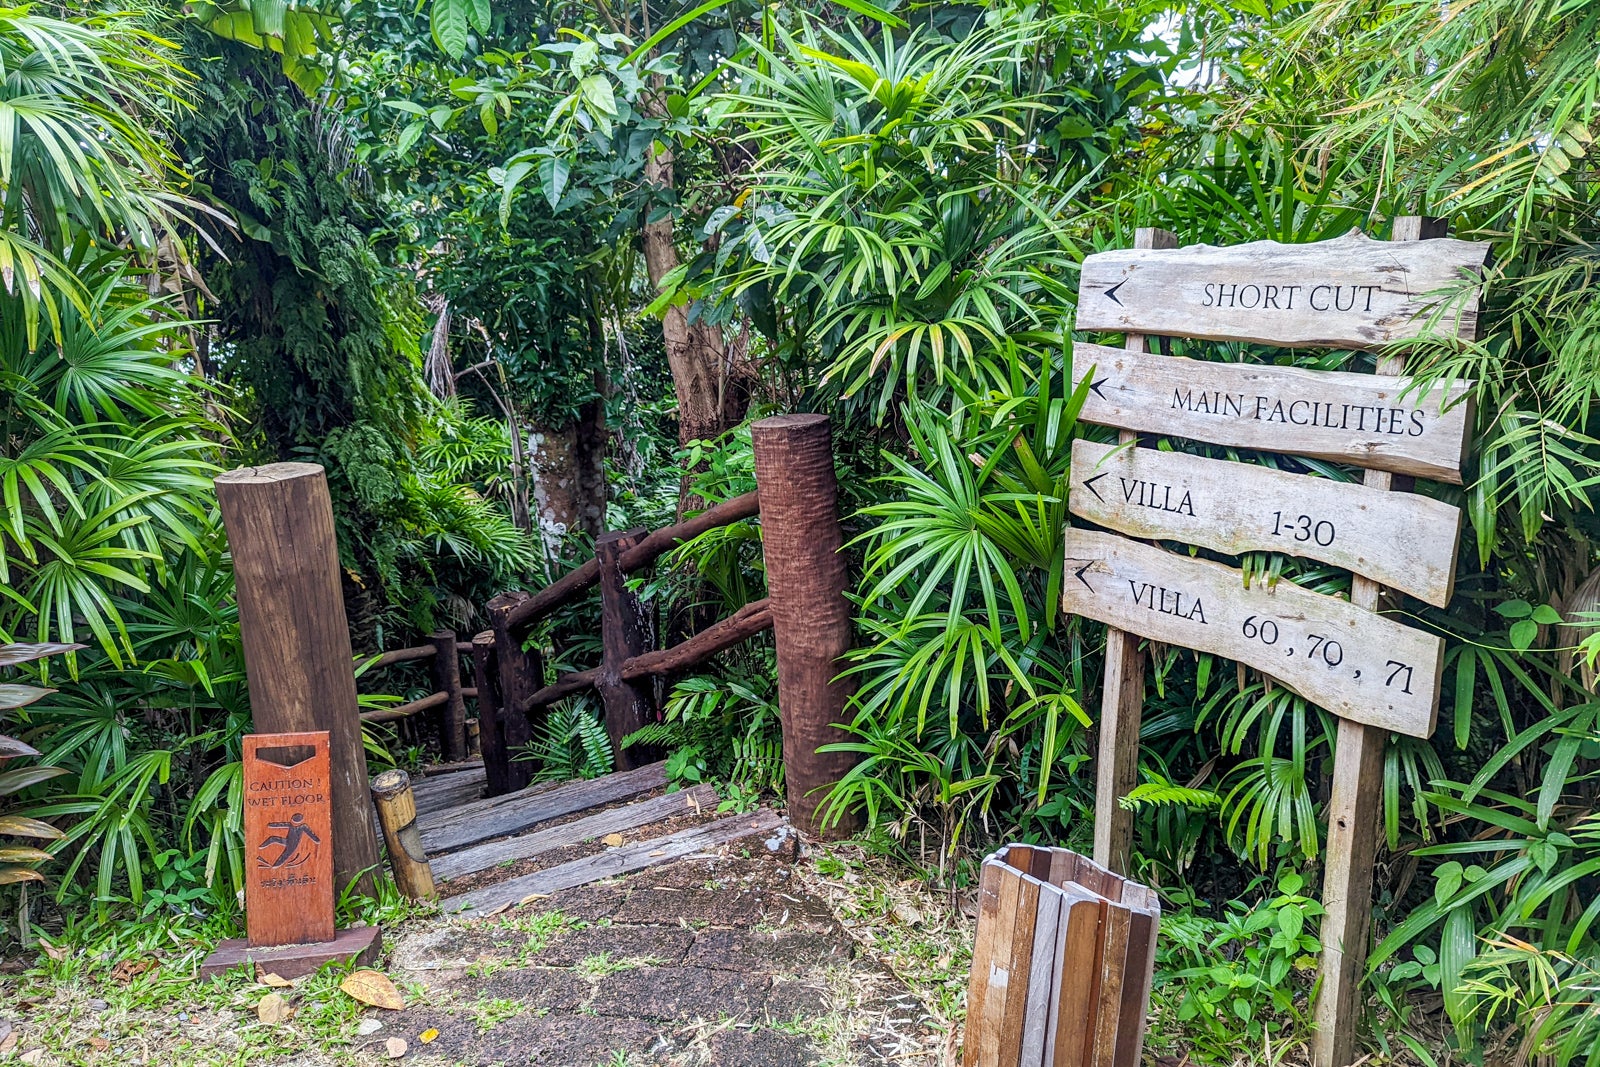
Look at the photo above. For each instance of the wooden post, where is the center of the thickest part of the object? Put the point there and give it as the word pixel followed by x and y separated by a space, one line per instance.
pixel 626 630
pixel 447 680
pixel 397 814
pixel 491 739
pixel 803 543
pixel 1122 696
pixel 1353 810
pixel 521 675
pixel 296 639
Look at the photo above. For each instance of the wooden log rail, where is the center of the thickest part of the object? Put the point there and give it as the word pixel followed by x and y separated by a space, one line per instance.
pixel 575 582
pixel 449 698
pixel 719 637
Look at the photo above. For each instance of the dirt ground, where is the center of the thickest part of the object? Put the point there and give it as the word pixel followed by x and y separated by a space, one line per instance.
pixel 737 959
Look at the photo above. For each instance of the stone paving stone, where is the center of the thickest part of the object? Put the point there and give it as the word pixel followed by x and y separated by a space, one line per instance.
pixel 779 951
pixel 762 1048
pixel 685 993
pixel 619 941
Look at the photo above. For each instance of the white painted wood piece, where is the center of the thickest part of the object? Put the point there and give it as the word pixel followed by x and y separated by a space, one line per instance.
pixel 1371 420
pixel 1402 540
pixel 1349 292
pixel 1357 664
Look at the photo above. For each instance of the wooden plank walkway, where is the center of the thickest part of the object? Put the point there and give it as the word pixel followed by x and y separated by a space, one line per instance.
pixel 481 820
pixel 622 860
pixel 610 821
pixel 448 790
pixel 464 833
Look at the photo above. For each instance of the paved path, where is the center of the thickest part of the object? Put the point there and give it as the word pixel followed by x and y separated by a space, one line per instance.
pixel 721 961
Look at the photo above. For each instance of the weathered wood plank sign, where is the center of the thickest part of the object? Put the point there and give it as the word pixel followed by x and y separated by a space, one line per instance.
pixel 1374 673
pixel 1403 540
pixel 1356 664
pixel 1371 420
pixel 288 829
pixel 1353 292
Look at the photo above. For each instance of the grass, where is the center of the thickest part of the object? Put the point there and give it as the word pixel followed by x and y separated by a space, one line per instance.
pixel 490 1012
pixel 603 964
pixel 144 974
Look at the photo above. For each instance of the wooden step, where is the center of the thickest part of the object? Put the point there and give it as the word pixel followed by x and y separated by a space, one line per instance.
pixel 451 790
pixel 481 820
pixel 614 861
pixel 611 821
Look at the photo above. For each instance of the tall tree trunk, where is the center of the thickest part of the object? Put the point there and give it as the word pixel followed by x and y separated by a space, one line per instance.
pixel 708 402
pixel 568 475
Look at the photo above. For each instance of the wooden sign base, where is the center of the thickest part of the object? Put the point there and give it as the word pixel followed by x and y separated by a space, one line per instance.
pixel 294 961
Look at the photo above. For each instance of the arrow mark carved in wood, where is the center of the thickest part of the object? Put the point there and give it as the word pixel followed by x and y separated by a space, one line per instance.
pixel 1078 574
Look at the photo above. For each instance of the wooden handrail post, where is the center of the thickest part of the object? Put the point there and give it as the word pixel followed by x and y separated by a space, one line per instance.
pixel 1122 695
pixel 806 578
pixel 627 629
pixel 447 680
pixel 491 739
pixel 521 675
pixel 397 814
pixel 296 639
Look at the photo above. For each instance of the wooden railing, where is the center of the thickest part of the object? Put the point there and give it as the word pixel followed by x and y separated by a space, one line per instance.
pixel 507 702
pixel 806 608
pixel 448 699
pixel 522 611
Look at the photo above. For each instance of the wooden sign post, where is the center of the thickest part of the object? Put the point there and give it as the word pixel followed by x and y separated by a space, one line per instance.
pixel 288 859
pixel 1375 674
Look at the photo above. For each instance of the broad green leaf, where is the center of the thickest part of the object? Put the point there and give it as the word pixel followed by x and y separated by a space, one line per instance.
pixel 449 21
pixel 597 90
pixel 553 173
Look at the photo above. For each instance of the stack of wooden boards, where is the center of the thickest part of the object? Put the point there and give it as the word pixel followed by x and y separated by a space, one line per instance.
pixel 1062 965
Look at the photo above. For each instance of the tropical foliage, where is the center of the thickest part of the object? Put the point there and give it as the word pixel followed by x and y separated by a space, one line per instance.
pixel 516 275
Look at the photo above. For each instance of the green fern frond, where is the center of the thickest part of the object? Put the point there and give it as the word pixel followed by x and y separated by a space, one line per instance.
pixel 1156 794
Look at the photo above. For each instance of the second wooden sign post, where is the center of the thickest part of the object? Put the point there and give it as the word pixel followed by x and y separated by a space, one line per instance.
pixel 1377 675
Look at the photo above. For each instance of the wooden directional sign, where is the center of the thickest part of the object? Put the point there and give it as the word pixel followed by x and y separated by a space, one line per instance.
pixel 1356 664
pixel 1353 292
pixel 288 827
pixel 1371 420
pixel 1402 540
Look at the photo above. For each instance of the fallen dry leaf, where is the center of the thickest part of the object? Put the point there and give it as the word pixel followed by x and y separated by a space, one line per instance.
pixel 33 1057
pixel 428 1035
pixel 55 952
pixel 611 840
pixel 273 1009
pixel 395 1047
pixel 373 987
pixel 128 970
pixel 8 1042
pixel 99 1044
pixel 275 981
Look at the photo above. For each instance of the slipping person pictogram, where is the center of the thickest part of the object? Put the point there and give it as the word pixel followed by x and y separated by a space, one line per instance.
pixel 299 841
